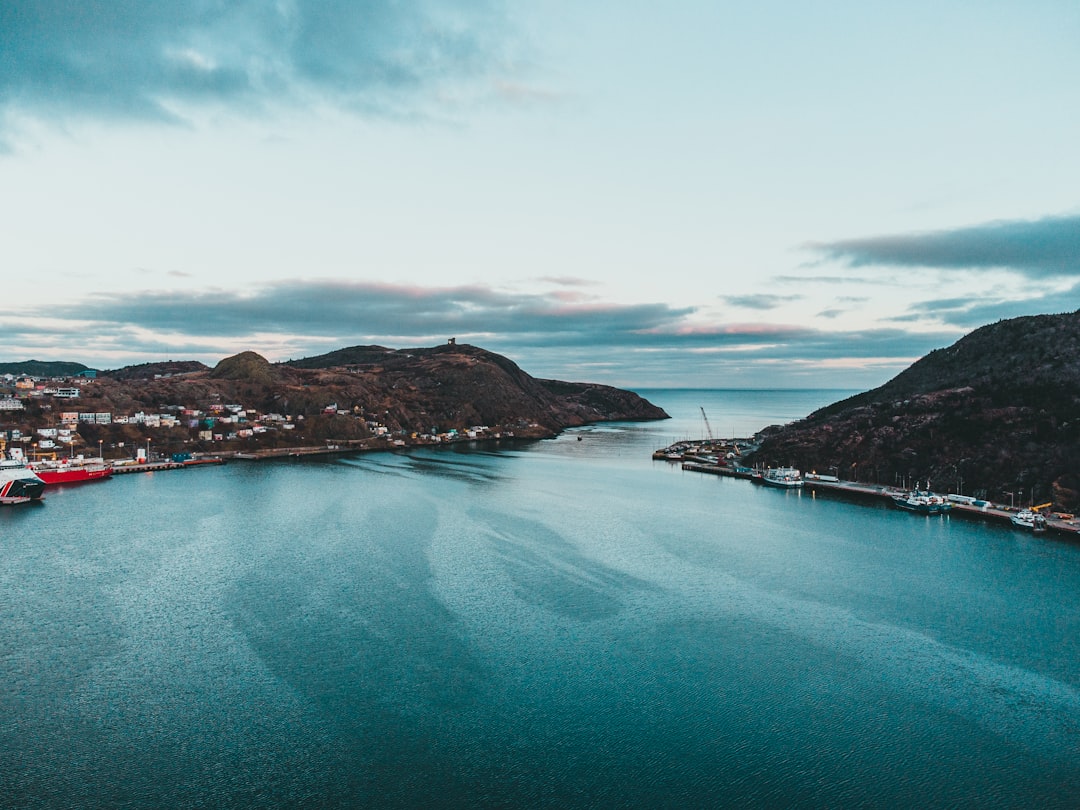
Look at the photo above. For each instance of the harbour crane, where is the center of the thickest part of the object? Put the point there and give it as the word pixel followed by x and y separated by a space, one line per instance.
pixel 708 427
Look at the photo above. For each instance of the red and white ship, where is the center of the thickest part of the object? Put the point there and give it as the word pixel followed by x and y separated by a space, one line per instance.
pixel 71 470
pixel 18 484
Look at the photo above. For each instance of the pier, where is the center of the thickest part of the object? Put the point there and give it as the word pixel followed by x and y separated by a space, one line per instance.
pixel 152 466
pixel 857 491
pixel 221 458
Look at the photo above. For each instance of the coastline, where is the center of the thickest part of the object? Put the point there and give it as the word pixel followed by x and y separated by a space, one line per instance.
pixel 851 490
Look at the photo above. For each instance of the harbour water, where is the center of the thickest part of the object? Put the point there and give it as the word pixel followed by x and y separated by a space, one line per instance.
pixel 559 623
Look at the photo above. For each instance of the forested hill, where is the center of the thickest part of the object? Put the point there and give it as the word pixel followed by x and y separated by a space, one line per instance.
pixel 998 412
pixel 43 368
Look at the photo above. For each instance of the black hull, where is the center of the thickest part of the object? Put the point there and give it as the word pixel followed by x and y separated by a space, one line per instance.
pixel 22 489
pixel 922 509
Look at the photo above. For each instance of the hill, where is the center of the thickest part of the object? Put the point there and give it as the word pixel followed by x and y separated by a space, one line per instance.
pixel 44 368
pixel 149 371
pixel 997 415
pixel 345 396
pixel 461 385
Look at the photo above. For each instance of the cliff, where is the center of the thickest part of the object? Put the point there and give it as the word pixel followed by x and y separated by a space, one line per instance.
pixel 997 415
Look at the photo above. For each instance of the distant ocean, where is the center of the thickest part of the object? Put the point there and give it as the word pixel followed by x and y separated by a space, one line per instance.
pixel 736 412
pixel 559 623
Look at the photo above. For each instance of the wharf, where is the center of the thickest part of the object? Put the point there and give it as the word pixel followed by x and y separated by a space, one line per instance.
pixel 291 452
pixel 713 469
pixel 855 490
pixel 254 455
pixel 152 466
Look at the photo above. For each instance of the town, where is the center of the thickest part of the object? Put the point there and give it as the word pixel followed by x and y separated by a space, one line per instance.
pixel 41 418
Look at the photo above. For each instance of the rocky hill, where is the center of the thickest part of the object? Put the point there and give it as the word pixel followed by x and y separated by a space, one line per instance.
pixel 408 391
pixel 997 414
pixel 465 385
pixel 148 371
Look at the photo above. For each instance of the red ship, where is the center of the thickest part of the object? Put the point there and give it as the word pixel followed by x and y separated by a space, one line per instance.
pixel 70 471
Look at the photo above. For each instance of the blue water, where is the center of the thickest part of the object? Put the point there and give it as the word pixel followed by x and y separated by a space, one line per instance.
pixel 561 623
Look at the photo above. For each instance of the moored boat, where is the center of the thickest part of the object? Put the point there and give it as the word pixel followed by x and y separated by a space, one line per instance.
pixel 786 477
pixel 18 484
pixel 922 501
pixel 1029 519
pixel 71 471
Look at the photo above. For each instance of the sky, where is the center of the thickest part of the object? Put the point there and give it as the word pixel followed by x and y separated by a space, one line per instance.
pixel 689 194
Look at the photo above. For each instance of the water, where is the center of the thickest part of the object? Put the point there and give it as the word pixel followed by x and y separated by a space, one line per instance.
pixel 562 623
pixel 733 413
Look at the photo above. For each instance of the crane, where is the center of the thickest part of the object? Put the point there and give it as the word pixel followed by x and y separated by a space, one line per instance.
pixel 708 427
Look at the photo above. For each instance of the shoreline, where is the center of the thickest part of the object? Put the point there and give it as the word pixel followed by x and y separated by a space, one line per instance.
pixel 346 447
pixel 851 490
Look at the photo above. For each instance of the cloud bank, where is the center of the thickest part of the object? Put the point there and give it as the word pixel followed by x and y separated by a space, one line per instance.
pixel 332 307
pixel 760 300
pixel 642 344
pixel 1043 248
pixel 66 58
pixel 970 313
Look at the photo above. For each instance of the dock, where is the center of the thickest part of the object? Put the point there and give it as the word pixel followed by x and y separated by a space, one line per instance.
pixel 993 513
pixel 294 452
pixel 152 466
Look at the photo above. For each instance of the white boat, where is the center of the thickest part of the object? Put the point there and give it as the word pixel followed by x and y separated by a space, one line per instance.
pixel 782 477
pixel 1028 519
pixel 18 484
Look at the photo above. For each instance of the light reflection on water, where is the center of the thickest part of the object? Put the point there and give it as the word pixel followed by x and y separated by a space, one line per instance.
pixel 551 623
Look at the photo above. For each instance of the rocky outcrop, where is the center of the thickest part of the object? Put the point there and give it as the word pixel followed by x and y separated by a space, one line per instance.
pixel 997 414
pixel 246 366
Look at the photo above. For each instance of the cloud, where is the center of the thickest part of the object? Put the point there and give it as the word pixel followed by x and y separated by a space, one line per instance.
pixel 1043 248
pixel 69 58
pixel 568 281
pixel 782 359
pixel 327 308
pixel 759 301
pixel 634 344
pixel 518 93
pixel 969 313
pixel 808 279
